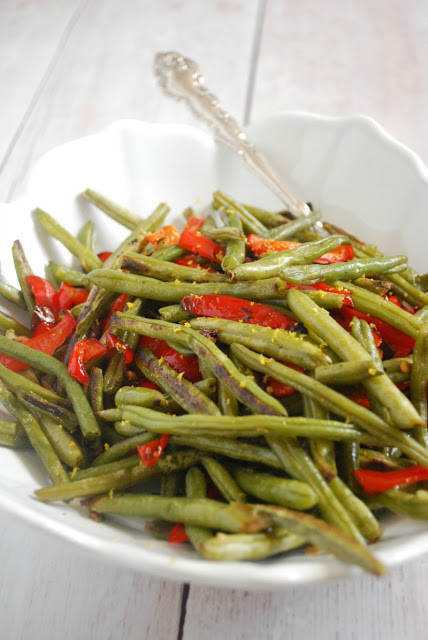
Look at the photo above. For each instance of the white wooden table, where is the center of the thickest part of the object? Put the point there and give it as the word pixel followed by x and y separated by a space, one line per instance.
pixel 68 68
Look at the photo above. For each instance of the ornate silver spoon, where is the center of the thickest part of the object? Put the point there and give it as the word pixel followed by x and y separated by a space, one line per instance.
pixel 181 78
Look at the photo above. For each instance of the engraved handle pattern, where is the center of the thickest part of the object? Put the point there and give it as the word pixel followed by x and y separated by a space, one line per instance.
pixel 181 78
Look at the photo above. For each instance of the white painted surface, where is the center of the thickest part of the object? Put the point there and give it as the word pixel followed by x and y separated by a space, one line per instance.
pixel 69 68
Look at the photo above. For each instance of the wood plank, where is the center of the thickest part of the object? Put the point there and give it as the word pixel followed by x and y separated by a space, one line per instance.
pixel 30 34
pixel 104 71
pixel 75 596
pixel 353 608
pixel 343 58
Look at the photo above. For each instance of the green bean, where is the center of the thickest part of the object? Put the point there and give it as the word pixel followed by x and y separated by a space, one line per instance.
pixel 12 435
pixel 273 489
pixel 223 480
pixel 49 364
pixel 419 381
pixel 345 373
pixel 379 287
pixel 123 216
pixel 140 396
pixel 310 274
pixel 299 465
pixel 170 253
pixel 245 389
pixel 223 234
pixel 409 505
pixel 248 546
pixel 36 436
pixel 336 402
pixel 12 294
pixel 88 258
pixel 172 292
pixel 277 343
pixel 227 402
pixel 87 236
pixel 402 412
pixel 241 426
pixel 122 448
pixel 71 276
pixel 23 269
pixel 196 487
pixel 274 265
pixel 289 229
pixel 167 271
pixel 173 313
pixel 96 389
pixel 49 409
pixel 180 389
pixel 114 374
pixel 67 448
pixel 325 536
pixel 110 467
pixel 268 218
pixel 235 248
pixel 235 517
pixel 8 323
pixel 116 480
pixel 381 308
pixel 250 223
pixel 230 448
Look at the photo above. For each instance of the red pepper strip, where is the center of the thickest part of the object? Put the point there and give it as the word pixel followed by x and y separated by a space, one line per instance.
pixel 216 306
pixel 194 223
pixel 188 365
pixel 361 398
pixel 47 305
pixel 178 534
pixel 117 305
pixel 197 243
pixel 47 343
pixel 166 235
pixel 69 296
pixel 84 351
pixel 321 286
pixel 399 342
pixel 280 389
pixel 397 302
pixel 104 255
pixel 378 481
pixel 191 261
pixel 342 253
pixel 114 342
pixel 152 451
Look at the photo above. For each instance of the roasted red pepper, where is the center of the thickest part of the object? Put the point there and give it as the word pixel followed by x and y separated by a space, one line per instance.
pixel 178 534
pixel 149 385
pixel 47 306
pixel 104 255
pixel 192 240
pixel 217 306
pixel 83 352
pixel 152 451
pixel 342 253
pixel 400 343
pixel 114 342
pixel 117 305
pixel 280 389
pixel 188 365
pixel 378 481
pixel 164 236
pixel 69 296
pixel 48 342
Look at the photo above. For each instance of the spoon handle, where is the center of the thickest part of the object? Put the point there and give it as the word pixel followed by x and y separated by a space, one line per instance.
pixel 181 78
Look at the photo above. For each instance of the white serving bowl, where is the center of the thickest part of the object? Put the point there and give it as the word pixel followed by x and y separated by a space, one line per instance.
pixel 350 168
